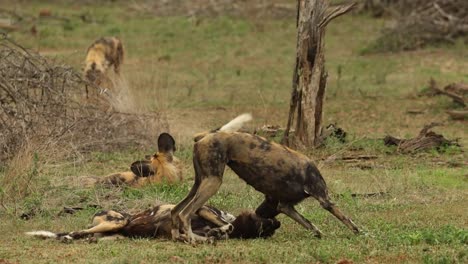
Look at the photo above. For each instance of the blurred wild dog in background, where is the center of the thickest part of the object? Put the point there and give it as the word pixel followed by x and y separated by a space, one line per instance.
pixel 207 221
pixel 160 167
pixel 102 54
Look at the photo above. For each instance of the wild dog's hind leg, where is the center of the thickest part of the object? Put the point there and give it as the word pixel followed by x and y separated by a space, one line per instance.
pixel 208 178
pixel 208 187
pixel 181 205
pixel 119 57
pixel 329 206
pixel 290 211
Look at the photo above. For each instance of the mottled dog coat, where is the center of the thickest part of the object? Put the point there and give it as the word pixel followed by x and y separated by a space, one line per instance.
pixel 285 176
pixel 101 55
pixel 208 222
pixel 160 167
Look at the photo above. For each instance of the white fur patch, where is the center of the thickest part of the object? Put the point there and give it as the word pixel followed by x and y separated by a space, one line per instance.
pixel 42 234
pixel 228 217
pixel 237 123
pixel 227 228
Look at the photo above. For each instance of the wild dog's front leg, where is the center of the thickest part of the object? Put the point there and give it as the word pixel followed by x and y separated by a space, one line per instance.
pixel 330 206
pixel 290 211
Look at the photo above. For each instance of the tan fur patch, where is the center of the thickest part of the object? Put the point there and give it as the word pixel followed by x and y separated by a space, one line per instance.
pixel 166 171
pixel 102 54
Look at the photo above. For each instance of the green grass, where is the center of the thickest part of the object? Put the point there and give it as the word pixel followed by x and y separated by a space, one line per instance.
pixel 203 73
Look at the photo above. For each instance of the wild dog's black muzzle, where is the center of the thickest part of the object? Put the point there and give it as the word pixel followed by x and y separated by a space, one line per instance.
pixel 142 168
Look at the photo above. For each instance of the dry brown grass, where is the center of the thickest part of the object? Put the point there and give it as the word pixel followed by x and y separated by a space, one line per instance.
pixel 19 180
pixel 43 101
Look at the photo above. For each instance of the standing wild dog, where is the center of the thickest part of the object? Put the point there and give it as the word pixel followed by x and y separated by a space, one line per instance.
pixel 102 54
pixel 208 222
pixel 285 176
pixel 160 167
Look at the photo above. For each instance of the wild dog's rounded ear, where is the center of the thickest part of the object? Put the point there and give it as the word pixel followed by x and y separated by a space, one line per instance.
pixel 142 168
pixel 166 143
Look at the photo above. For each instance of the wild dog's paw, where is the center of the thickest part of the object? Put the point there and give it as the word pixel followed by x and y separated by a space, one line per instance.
pixel 66 239
pixel 175 234
pixel 268 227
pixel 217 234
pixel 206 240
pixel 318 234
pixel 227 228
pixel 182 238
pixel 92 240
pixel 211 241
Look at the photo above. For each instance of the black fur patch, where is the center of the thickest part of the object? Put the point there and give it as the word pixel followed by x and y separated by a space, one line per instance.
pixel 267 208
pixel 142 168
pixel 101 213
pixel 166 143
pixel 265 146
pixel 112 218
pixel 314 182
pixel 250 225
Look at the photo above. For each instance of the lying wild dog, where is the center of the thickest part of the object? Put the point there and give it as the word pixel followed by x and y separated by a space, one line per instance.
pixel 208 222
pixel 102 54
pixel 160 167
pixel 285 176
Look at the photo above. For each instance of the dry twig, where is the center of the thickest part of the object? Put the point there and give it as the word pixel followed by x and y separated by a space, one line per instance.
pixel 421 22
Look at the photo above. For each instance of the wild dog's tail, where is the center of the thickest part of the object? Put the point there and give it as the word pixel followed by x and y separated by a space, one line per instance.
pixel 237 123
pixel 65 237
pixel 42 234
pixel 232 126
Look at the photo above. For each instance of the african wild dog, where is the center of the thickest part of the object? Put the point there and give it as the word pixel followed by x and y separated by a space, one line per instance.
pixel 208 222
pixel 285 176
pixel 102 54
pixel 160 167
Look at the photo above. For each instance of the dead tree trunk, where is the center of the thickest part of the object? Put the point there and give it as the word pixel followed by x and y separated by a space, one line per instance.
pixel 309 77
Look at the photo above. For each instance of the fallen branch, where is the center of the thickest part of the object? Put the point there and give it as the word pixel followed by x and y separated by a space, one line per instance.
pixel 364 195
pixel 458 114
pixel 358 158
pixel 8 27
pixel 426 139
pixel 420 22
pixel 456 91
pixel 457 88
pixel 415 111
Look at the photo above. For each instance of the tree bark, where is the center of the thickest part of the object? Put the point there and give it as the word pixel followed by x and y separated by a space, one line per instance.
pixel 309 77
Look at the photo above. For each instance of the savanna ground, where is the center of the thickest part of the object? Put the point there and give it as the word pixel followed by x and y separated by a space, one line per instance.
pixel 202 72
